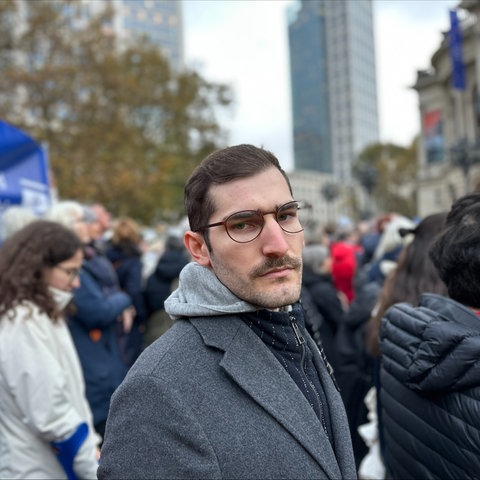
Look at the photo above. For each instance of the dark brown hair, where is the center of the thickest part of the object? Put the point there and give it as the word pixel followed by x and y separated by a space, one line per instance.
pixel 25 256
pixel 414 274
pixel 456 252
pixel 223 166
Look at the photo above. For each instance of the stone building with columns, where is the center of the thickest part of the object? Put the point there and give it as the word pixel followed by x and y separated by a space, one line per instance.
pixel 449 147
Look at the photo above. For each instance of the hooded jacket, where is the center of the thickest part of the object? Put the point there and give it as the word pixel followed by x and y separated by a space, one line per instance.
pixel 209 399
pixel 430 389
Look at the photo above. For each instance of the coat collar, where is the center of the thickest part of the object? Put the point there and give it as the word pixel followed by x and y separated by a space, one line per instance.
pixel 244 354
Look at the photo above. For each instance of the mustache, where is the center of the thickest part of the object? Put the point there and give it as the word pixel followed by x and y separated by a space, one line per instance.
pixel 270 263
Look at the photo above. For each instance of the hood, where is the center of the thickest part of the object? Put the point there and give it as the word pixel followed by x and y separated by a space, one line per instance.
pixel 200 294
pixel 118 252
pixel 170 264
pixel 309 277
pixel 434 347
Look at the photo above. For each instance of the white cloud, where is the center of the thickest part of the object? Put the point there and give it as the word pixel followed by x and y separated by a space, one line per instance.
pixel 407 33
pixel 245 44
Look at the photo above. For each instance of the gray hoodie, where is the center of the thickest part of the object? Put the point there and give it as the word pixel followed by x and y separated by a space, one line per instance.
pixel 200 293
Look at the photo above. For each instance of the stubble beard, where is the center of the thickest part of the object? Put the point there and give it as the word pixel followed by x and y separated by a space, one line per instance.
pixel 263 292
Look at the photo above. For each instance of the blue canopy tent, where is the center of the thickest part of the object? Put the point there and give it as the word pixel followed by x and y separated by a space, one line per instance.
pixel 23 171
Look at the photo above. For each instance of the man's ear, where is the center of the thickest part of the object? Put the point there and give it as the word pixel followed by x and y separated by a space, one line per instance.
pixel 196 246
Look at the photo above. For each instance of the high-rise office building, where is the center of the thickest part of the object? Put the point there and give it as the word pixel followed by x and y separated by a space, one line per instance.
pixel 333 82
pixel 159 20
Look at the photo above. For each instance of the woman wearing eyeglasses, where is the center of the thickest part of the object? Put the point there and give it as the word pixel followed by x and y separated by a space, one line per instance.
pixel 45 422
pixel 101 309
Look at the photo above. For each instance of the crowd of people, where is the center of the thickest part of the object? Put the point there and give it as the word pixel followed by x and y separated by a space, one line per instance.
pixel 403 348
pixel 74 314
pixel 250 349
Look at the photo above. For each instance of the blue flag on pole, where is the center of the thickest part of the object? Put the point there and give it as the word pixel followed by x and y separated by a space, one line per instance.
pixel 455 43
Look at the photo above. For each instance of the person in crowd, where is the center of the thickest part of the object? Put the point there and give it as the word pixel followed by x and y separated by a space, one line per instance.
pixel 13 219
pixel 237 387
pixel 353 365
pixel 413 275
pixel 72 215
pixel 103 226
pixel 103 217
pixel 389 246
pixel 46 426
pixel 410 292
pixel 319 288
pixel 161 283
pixel 94 229
pixel 125 253
pixel 370 237
pixel 357 342
pixel 344 249
pixel 101 309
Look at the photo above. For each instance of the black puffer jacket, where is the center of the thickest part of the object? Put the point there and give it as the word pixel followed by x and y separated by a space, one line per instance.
pixel 430 389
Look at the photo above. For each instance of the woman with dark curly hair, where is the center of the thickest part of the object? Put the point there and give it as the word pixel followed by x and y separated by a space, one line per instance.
pixel 45 421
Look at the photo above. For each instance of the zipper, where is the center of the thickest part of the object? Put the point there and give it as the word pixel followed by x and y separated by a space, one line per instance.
pixel 300 339
pixel 329 368
pixel 298 334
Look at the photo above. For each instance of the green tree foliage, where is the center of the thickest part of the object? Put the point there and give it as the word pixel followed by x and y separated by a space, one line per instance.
pixel 122 128
pixel 395 169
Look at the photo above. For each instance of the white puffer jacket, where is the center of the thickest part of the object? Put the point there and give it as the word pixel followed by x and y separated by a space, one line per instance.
pixel 42 396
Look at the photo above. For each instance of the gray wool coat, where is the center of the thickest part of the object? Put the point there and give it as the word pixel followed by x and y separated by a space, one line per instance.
pixel 209 400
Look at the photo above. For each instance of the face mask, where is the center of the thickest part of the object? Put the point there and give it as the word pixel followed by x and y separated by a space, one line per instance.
pixel 61 297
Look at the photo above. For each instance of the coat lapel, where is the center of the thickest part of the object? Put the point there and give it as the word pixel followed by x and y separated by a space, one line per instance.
pixel 245 354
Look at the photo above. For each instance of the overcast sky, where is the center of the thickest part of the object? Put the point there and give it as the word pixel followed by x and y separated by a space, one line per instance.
pixel 244 43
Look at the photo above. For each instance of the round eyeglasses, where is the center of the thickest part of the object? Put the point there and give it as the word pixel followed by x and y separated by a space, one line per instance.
pixel 246 226
pixel 72 273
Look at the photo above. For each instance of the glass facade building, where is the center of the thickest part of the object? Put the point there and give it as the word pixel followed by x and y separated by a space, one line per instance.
pixel 333 82
pixel 158 20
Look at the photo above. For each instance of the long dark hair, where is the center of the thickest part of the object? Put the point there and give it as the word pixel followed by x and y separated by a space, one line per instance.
pixel 414 274
pixel 25 256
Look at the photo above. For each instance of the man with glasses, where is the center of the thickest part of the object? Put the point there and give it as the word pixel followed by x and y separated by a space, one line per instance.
pixel 236 388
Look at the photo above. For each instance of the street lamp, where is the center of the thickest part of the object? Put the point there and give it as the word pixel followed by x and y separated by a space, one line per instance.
pixel 329 192
pixel 367 175
pixel 463 155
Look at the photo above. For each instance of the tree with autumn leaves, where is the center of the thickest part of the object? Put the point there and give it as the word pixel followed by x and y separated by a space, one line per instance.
pixel 121 126
pixel 388 173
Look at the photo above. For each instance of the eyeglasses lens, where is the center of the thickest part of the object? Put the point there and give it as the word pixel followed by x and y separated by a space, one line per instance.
pixel 288 218
pixel 245 226
pixel 72 273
